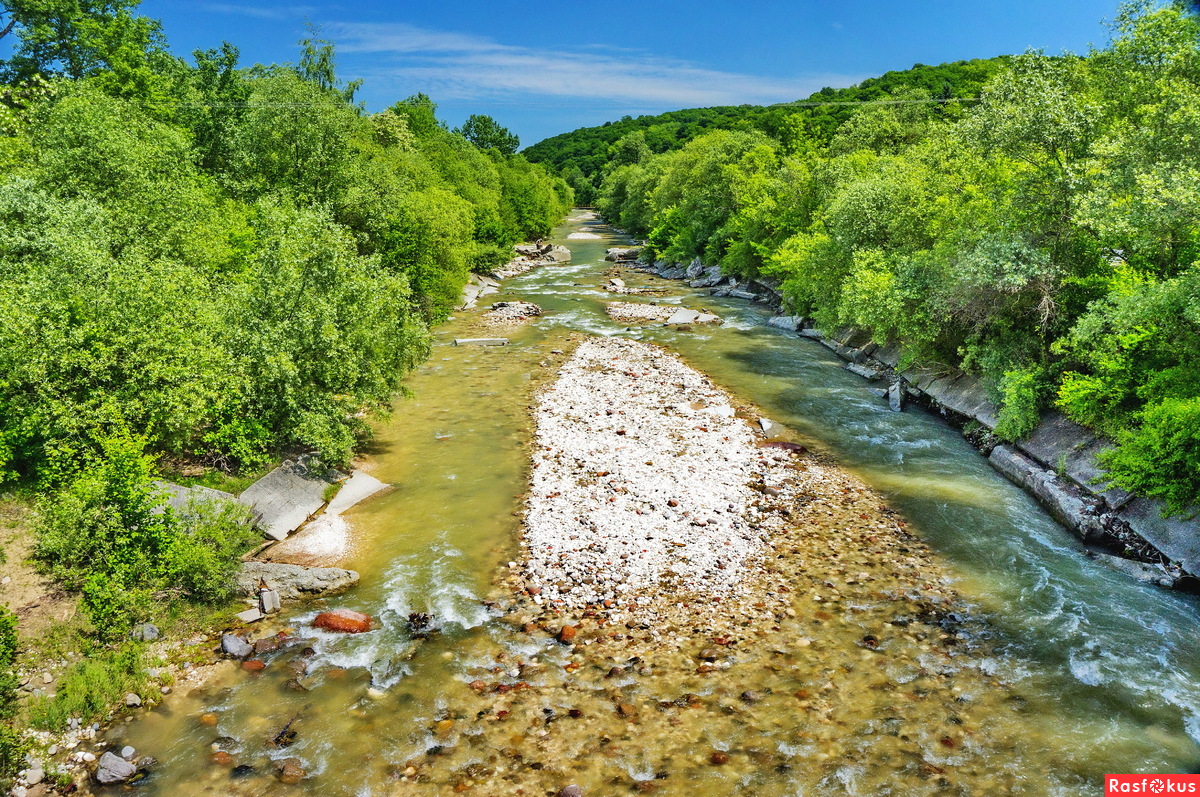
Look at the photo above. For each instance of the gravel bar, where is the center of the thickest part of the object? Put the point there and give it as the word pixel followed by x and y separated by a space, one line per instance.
pixel 641 481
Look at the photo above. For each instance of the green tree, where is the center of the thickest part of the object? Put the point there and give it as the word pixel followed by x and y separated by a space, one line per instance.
pixel 318 64
pixel 486 133
pixel 77 38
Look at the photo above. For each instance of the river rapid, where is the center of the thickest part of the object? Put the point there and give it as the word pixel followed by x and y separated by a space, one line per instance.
pixel 1068 671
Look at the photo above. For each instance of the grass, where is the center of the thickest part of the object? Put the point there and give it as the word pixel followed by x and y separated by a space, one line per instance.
pixel 90 688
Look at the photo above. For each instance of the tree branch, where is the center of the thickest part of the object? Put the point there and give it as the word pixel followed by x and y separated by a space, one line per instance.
pixel 8 28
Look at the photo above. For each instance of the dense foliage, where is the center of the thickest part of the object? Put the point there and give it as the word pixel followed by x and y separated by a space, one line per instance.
pixel 225 262
pixel 579 156
pixel 203 263
pixel 1047 237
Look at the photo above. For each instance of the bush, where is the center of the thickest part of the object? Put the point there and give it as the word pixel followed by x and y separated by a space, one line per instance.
pixel 1023 392
pixel 206 550
pixel 1161 457
pixel 105 520
pixel 112 606
pixel 110 534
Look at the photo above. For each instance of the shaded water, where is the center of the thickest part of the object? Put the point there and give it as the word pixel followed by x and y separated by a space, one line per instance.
pixel 1106 669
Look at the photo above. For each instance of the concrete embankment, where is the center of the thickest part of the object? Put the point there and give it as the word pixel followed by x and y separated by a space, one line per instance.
pixel 1057 464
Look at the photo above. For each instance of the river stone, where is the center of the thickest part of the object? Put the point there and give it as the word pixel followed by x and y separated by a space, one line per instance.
pixel 788 322
pixel 235 646
pixel 621 254
pixel 343 621
pixel 289 771
pixel 570 791
pixel 133 700
pixel 112 769
pixel 293 582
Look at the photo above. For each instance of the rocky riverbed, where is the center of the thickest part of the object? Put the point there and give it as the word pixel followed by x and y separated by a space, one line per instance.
pixel 689 589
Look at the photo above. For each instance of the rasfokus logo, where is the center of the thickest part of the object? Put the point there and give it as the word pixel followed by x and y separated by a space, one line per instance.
pixel 1151 784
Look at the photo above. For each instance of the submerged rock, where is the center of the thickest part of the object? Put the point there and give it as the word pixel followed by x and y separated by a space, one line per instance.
pixel 343 621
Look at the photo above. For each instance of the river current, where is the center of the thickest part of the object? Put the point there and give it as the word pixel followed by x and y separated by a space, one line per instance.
pixel 1107 670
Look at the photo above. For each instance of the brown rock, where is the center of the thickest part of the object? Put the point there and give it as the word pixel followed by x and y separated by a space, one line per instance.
pixel 443 728
pixel 343 621
pixel 254 665
pixel 221 759
pixel 479 686
pixel 208 719
pixel 266 645
pixel 719 757
pixel 626 710
pixel 289 771
pixel 567 634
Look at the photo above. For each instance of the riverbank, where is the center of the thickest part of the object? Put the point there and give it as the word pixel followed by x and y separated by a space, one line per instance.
pixel 1056 463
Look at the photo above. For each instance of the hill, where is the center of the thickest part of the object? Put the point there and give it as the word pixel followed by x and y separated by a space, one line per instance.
pixel 821 113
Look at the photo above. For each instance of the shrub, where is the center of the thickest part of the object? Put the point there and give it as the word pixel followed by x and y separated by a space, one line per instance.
pixel 206 550
pixel 113 606
pixel 12 744
pixel 1161 457
pixel 1023 392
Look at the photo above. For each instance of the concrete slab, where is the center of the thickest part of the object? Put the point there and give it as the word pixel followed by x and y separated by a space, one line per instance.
pixel 358 487
pixel 178 497
pixel 285 498
pixel 864 371
pixel 1178 537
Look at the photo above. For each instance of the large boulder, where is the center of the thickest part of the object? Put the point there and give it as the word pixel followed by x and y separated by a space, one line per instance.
pixel 558 254
pixel 621 254
pixel 114 769
pixel 294 582
pixel 235 647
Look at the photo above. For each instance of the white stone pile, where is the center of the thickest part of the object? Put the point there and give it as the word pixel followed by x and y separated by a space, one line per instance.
pixel 640 484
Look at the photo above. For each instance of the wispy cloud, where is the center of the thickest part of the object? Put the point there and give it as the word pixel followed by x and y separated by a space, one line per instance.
pixel 457 65
pixel 259 12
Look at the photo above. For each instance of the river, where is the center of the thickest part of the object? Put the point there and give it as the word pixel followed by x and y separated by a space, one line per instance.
pixel 1106 669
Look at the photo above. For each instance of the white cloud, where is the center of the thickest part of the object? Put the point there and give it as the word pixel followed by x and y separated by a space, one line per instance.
pixel 259 12
pixel 462 66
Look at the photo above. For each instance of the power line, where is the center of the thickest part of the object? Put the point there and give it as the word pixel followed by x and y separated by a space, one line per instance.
pixel 796 104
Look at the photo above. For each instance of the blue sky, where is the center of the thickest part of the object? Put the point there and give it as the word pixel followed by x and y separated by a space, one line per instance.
pixel 542 68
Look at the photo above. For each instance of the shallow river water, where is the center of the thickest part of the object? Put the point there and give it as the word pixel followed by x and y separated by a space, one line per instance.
pixel 1099 674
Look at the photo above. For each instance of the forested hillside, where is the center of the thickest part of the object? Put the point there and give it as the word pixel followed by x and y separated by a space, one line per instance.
pixel 1046 237
pixel 207 264
pixel 581 154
